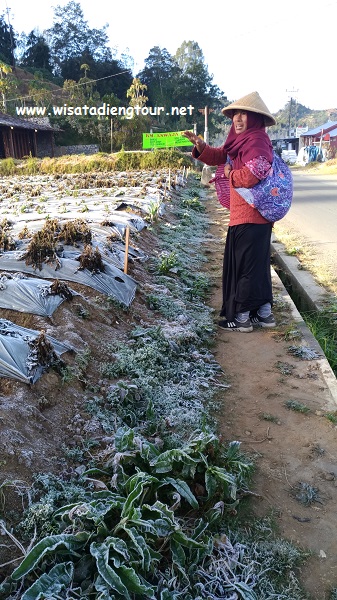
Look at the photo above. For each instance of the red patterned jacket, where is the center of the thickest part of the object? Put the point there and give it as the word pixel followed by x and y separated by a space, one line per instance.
pixel 240 211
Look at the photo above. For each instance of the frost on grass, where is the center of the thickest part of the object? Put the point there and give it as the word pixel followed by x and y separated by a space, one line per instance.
pixel 297 406
pixel 140 516
pixel 285 368
pixel 171 370
pixel 303 352
pixel 251 565
pixel 170 364
pixel 306 494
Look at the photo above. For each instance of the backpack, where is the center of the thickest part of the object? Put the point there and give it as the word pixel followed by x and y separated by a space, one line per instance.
pixel 273 195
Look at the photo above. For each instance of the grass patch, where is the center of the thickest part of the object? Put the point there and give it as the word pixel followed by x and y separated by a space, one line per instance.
pixel 323 325
pixel 328 167
pixel 268 417
pixel 332 417
pixel 292 333
pixel 8 166
pixel 306 254
pixel 297 406
pixel 285 368
pixel 303 352
pixel 306 494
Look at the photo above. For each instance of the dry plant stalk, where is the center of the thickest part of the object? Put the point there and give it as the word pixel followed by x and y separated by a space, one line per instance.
pixel 75 231
pixel 42 352
pixel 6 240
pixel 41 246
pixel 60 288
pixel 44 242
pixel 25 233
pixel 92 260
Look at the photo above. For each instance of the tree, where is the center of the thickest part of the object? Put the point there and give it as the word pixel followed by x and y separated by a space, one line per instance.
pixel 181 80
pixel 188 55
pixel 113 77
pixel 70 36
pixel 40 95
pixel 4 83
pixel 135 93
pixel 87 85
pixel 37 53
pixel 160 75
pixel 73 91
pixel 196 84
pixel 85 68
pixel 7 42
pixel 73 43
pixel 110 75
pixel 196 87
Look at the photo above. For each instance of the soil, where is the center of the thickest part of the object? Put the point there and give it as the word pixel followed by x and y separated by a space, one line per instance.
pixel 288 447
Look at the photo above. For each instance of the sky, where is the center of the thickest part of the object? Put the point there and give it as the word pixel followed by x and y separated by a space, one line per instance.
pixel 281 50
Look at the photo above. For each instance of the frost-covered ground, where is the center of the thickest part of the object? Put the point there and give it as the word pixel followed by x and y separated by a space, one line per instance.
pixel 120 432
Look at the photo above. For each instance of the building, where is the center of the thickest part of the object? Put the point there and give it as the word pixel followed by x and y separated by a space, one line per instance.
pixel 20 137
pixel 323 137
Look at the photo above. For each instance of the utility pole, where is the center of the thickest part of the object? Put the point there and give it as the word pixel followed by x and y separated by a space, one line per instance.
pixel 290 107
pixel 206 111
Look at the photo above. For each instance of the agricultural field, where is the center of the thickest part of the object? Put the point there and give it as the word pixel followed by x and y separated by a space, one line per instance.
pixel 119 474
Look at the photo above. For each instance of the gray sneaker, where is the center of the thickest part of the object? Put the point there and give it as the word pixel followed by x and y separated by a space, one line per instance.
pixel 262 321
pixel 235 325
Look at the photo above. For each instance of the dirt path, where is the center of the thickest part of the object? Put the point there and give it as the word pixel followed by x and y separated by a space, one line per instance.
pixel 289 447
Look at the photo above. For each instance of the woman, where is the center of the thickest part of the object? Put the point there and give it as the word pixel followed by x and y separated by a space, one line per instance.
pixel 247 288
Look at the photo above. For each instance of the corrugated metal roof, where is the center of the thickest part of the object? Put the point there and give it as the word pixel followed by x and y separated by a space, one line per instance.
pixel 333 132
pixel 11 121
pixel 319 129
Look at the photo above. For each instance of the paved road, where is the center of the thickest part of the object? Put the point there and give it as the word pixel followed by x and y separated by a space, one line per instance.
pixel 313 215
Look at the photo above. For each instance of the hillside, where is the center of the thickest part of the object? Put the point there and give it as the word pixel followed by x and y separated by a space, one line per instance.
pixel 301 116
pixel 23 84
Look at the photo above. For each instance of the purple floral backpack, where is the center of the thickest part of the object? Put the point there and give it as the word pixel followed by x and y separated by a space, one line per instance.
pixel 273 195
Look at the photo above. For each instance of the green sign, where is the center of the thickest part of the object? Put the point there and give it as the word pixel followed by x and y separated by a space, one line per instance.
pixel 168 139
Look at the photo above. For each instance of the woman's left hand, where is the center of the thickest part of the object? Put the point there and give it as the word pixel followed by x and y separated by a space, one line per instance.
pixel 227 170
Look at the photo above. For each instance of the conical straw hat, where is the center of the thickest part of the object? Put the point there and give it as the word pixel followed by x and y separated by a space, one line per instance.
pixel 252 102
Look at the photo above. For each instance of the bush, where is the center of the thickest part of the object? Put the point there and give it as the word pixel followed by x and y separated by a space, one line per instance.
pixel 80 163
pixel 7 166
pixel 150 160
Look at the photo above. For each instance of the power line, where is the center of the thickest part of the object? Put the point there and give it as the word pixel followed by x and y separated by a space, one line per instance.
pixel 74 86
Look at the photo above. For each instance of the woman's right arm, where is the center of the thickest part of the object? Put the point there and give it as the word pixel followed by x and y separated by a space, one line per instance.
pixel 211 156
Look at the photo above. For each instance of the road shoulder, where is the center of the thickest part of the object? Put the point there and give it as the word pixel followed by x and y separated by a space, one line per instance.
pixel 290 447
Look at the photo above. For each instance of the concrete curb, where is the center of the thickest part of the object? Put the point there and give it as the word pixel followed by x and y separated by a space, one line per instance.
pixel 309 296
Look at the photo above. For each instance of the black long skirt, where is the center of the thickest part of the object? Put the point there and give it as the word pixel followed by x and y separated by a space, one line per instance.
pixel 246 279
